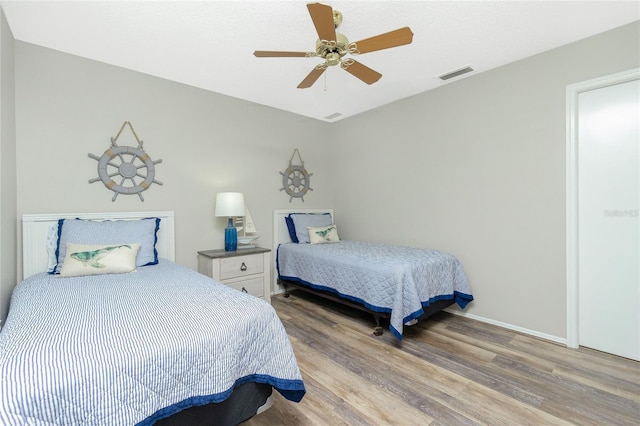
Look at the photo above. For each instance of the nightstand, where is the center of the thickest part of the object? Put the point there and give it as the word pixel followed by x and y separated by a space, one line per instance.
pixel 247 270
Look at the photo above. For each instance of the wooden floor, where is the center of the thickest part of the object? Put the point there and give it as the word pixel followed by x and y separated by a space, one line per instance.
pixel 448 370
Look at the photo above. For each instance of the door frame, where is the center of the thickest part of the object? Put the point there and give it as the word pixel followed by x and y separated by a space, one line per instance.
pixel 573 90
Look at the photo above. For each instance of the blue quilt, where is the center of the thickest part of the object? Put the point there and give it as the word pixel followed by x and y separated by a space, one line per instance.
pixel 384 278
pixel 132 348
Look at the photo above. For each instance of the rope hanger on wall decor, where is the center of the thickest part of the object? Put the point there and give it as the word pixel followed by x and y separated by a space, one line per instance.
pixel 295 180
pixel 127 162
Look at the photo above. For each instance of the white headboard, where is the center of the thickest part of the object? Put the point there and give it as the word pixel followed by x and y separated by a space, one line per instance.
pixel 281 233
pixel 35 229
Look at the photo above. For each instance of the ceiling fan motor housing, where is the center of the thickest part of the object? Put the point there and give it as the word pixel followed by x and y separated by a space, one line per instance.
pixel 331 50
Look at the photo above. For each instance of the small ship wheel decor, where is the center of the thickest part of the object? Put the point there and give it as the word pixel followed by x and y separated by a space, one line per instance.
pixel 131 166
pixel 295 180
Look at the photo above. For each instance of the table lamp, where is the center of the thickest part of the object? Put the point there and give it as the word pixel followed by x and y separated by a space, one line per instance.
pixel 230 204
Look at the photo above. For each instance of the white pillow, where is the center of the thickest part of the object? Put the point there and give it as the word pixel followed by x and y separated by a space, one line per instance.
pixel 82 259
pixel 323 235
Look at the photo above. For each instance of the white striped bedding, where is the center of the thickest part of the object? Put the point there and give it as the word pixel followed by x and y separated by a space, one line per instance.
pixel 129 348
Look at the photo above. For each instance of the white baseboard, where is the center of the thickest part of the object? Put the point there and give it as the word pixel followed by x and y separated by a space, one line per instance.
pixel 556 339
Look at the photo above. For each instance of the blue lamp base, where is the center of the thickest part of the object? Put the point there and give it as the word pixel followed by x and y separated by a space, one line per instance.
pixel 230 237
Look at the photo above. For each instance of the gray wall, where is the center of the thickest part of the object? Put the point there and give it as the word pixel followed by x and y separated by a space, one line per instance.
pixel 477 168
pixel 8 187
pixel 67 107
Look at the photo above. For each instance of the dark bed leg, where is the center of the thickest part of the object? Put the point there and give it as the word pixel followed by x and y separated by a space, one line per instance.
pixel 377 330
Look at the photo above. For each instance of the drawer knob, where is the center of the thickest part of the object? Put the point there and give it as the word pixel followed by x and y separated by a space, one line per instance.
pixel 244 290
pixel 243 267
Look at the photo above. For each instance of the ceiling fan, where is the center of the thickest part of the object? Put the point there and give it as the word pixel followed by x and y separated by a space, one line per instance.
pixel 332 46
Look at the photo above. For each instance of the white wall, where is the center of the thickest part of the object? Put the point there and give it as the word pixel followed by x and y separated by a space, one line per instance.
pixel 67 107
pixel 477 168
pixel 8 188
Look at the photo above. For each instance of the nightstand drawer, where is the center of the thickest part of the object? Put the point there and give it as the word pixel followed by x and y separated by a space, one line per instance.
pixel 241 266
pixel 248 269
pixel 253 286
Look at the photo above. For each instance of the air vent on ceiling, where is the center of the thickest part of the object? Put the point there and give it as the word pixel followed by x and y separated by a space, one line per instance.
pixel 455 73
pixel 332 116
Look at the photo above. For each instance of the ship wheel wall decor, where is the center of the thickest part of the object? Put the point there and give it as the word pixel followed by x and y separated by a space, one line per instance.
pixel 132 164
pixel 295 180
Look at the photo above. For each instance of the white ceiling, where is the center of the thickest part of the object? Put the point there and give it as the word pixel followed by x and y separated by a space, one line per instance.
pixel 210 44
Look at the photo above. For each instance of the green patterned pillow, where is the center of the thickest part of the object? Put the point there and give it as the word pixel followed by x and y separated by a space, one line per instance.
pixel 324 234
pixel 82 259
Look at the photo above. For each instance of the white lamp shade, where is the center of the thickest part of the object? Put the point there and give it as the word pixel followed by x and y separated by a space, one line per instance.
pixel 229 204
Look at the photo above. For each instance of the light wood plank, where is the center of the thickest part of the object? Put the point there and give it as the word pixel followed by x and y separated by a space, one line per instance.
pixel 447 370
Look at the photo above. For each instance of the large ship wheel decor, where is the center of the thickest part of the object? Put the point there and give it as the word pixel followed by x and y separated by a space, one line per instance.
pixel 131 166
pixel 295 180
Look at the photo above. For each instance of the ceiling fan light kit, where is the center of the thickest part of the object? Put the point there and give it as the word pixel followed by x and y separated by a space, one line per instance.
pixel 332 47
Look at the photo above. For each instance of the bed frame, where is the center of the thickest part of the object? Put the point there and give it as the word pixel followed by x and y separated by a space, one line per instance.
pixel 247 400
pixel 281 236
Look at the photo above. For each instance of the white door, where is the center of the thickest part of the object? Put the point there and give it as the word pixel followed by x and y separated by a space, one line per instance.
pixel 608 170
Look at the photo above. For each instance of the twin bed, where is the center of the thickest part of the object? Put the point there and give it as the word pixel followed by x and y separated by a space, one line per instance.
pixel 106 329
pixel 159 345
pixel 401 284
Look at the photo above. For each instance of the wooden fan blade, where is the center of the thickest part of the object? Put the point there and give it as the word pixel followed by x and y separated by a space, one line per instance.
pixel 311 78
pixel 275 54
pixel 322 16
pixel 384 41
pixel 363 72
